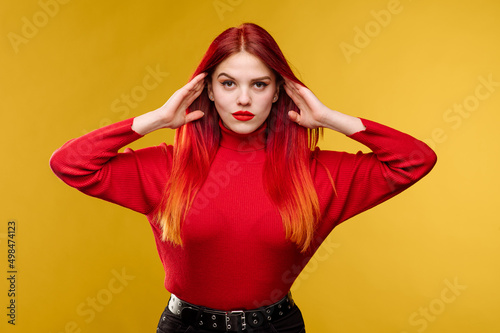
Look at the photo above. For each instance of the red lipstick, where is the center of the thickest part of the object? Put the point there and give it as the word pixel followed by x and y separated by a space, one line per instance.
pixel 243 115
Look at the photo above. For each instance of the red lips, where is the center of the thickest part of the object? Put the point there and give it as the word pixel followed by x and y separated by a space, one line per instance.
pixel 243 115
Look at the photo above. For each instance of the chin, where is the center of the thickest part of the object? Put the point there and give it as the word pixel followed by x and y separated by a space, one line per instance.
pixel 244 127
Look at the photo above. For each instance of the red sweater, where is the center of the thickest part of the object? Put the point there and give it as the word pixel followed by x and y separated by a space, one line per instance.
pixel 235 255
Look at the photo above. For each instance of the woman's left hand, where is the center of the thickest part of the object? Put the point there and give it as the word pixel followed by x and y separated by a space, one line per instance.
pixel 312 111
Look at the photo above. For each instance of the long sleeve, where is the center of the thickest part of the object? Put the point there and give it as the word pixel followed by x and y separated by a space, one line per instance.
pixel 363 181
pixel 93 165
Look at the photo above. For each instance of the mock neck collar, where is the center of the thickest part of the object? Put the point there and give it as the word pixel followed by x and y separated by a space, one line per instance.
pixel 243 142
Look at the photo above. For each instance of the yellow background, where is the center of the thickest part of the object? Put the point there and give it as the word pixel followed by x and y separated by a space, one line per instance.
pixel 379 272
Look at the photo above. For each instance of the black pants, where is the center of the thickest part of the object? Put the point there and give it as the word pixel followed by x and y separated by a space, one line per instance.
pixel 291 323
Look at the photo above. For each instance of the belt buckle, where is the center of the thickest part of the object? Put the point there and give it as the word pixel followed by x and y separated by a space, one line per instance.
pixel 242 316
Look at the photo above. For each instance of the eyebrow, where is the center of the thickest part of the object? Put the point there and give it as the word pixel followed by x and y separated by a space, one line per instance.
pixel 256 79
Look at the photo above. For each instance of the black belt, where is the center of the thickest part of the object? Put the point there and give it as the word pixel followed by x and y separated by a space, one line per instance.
pixel 229 321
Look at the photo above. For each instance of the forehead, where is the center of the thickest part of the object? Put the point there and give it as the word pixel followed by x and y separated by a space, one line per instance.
pixel 243 65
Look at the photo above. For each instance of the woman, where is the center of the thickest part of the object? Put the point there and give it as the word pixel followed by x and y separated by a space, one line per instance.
pixel 243 198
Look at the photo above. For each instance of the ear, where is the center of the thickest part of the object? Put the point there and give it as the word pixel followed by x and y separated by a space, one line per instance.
pixel 277 93
pixel 209 89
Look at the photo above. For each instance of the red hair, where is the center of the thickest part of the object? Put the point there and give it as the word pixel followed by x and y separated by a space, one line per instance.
pixel 287 176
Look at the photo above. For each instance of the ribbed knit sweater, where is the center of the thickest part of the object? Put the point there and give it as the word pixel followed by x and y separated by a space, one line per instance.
pixel 235 254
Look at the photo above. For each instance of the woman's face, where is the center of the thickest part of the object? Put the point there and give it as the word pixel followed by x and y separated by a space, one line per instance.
pixel 243 89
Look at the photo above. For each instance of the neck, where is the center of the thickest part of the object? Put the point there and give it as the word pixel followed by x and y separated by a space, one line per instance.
pixel 243 142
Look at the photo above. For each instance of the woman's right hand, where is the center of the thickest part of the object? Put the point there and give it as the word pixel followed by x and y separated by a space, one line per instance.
pixel 173 113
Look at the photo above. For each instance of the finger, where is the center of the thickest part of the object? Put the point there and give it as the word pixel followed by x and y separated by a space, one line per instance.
pixel 290 92
pixel 195 115
pixel 288 86
pixel 293 86
pixel 296 98
pixel 195 84
pixel 293 90
pixel 294 116
pixel 198 78
pixel 194 91
pixel 289 82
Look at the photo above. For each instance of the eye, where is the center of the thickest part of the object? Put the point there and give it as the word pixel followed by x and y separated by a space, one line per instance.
pixel 228 84
pixel 260 85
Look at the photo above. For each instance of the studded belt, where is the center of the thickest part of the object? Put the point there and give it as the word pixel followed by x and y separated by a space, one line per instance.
pixel 229 321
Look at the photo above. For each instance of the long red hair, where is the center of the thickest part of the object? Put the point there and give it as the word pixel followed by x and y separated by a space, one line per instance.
pixel 287 177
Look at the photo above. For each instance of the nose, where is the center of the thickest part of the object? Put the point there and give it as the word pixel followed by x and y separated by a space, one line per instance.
pixel 244 98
